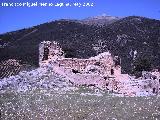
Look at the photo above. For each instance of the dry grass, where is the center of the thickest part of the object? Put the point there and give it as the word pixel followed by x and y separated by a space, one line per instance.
pixel 53 105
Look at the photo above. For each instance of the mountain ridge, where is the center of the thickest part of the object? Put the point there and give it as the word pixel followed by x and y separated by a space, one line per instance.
pixel 124 37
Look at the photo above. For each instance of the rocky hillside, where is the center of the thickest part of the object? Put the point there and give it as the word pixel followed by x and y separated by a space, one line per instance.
pixel 13 67
pixel 132 38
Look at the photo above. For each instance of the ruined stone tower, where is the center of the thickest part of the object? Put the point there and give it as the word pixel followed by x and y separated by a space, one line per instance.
pixel 104 63
pixel 49 51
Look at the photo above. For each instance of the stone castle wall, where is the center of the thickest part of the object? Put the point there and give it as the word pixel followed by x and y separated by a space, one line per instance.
pixel 103 64
pixel 82 65
pixel 49 50
pixel 103 71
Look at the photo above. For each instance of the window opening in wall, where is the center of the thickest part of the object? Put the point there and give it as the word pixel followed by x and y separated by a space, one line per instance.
pixel 154 90
pixel 112 72
pixel 46 53
pixel 75 71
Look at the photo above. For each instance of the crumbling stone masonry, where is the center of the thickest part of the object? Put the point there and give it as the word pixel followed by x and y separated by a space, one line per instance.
pixel 103 71
pixel 103 64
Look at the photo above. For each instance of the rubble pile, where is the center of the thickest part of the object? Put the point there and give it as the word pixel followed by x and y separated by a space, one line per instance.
pixel 43 77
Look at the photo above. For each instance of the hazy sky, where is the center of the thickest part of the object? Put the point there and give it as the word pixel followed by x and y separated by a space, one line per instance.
pixel 14 18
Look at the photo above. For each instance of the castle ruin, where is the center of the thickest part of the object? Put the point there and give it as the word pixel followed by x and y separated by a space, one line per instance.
pixel 102 71
pixel 103 64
